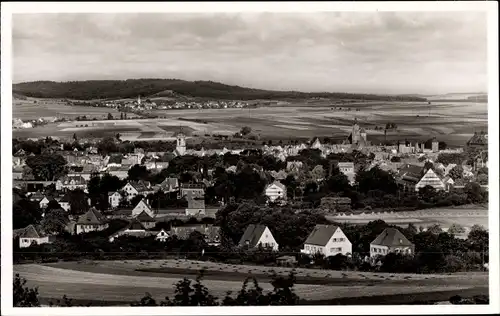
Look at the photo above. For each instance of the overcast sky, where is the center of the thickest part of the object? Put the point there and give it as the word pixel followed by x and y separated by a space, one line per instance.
pixel 407 52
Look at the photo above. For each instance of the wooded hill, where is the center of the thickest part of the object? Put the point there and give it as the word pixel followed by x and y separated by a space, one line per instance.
pixel 108 89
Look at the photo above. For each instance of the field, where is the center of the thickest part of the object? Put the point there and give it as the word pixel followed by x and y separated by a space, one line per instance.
pixel 416 121
pixel 120 281
pixel 445 217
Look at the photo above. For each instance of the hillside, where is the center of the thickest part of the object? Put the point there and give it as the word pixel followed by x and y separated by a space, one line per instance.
pixel 106 89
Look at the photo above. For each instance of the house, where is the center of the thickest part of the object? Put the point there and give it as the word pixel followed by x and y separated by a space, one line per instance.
pixel 147 221
pixel 391 240
pixel 328 240
pixel 275 191
pixel 31 235
pixel 143 206
pixel 71 183
pixel 64 202
pixel 211 233
pixel 196 206
pixel 448 183
pixel 17 172
pixel 258 235
pixel 286 261
pixel 170 185
pixel 192 191
pixel 347 168
pixel 162 236
pixel 316 144
pixel 115 160
pixel 135 229
pixel 336 203
pixel 408 176
pixel 478 140
pixel 156 165
pixel 114 199
pixel 44 202
pixel 430 178
pixel 37 196
pixel 134 188
pixel 91 221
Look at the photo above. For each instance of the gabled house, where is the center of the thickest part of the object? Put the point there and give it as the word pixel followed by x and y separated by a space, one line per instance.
pixel 430 179
pixel 91 221
pixel 31 235
pixel 258 235
pixel 146 220
pixel 448 183
pixel 71 183
pixel 134 188
pixel 391 240
pixel 143 206
pixel 44 202
pixel 65 202
pixel 328 240
pixel 118 171
pixel 114 199
pixel 192 191
pixel 275 191
pixel 162 236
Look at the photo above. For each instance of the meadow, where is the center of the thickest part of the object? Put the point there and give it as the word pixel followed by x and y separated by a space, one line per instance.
pixel 452 122
pixel 127 281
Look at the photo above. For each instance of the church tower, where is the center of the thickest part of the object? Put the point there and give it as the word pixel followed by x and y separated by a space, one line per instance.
pixel 355 132
pixel 181 144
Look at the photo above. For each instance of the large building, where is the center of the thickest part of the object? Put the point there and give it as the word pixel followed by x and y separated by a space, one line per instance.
pixel 358 135
pixel 478 140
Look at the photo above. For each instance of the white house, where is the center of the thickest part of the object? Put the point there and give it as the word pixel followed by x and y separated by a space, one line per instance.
pixel 134 188
pixel 71 183
pixel 114 199
pixel 256 235
pixel 275 191
pixel 328 240
pixel 130 191
pixel 143 206
pixel 430 178
pixel 391 240
pixel 44 202
pixel 65 202
pixel 30 235
pixel 91 221
pixel 162 236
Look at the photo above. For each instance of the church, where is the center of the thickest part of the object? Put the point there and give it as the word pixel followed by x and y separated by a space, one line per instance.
pixel 357 136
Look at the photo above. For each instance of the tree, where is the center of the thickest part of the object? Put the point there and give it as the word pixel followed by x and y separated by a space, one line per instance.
pixel 456 172
pixel 138 172
pixel 54 221
pixel 246 130
pixel 318 173
pixel 376 179
pixel 24 296
pixel 456 229
pixel 395 159
pixel 24 213
pixel 47 166
pixel 78 202
pixel 475 194
pixel 110 117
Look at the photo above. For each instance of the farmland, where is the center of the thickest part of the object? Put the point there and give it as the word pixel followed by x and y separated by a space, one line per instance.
pixel 120 281
pixel 445 217
pixel 416 121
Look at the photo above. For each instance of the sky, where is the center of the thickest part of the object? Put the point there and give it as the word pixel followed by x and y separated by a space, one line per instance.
pixel 386 52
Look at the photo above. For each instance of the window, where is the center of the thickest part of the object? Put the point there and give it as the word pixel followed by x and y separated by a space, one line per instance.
pixel 334 239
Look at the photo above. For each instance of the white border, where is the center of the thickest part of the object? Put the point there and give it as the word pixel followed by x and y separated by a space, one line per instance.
pixel 51 7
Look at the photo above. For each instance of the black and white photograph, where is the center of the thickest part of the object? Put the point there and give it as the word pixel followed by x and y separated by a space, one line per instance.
pixel 253 157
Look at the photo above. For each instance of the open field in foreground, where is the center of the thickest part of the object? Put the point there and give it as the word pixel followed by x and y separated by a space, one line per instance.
pixel 466 217
pixel 417 121
pixel 119 281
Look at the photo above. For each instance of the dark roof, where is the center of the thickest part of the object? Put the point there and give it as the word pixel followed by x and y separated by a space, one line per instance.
pixel 135 225
pixel 170 182
pixel 212 233
pixel 140 186
pixel 478 139
pixel 411 172
pixel 144 217
pixel 115 158
pixel 28 232
pixel 92 217
pixel 252 234
pixel 391 237
pixel 65 198
pixel 320 235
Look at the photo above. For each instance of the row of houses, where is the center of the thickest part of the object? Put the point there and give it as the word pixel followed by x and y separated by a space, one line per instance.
pixel 328 240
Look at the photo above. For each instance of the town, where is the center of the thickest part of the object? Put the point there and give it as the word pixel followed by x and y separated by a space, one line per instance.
pixel 64 189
